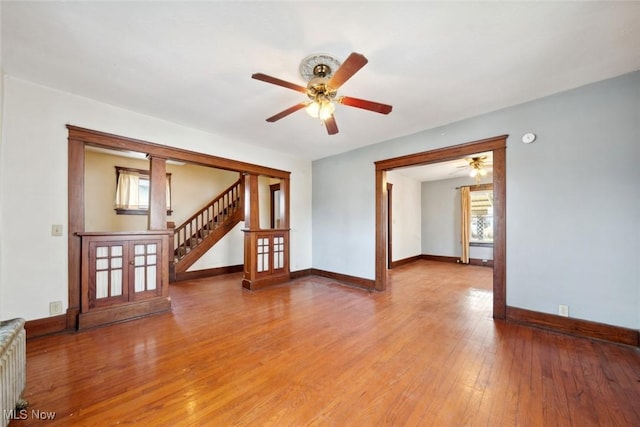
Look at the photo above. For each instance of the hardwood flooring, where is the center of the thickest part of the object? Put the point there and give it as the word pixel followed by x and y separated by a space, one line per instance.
pixel 315 353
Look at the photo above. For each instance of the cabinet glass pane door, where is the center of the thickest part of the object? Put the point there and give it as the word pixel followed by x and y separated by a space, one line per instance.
pixel 108 272
pixel 278 252
pixel 145 266
pixel 263 255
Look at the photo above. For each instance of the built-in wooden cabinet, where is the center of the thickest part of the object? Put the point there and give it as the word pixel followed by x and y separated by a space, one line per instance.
pixel 266 260
pixel 124 275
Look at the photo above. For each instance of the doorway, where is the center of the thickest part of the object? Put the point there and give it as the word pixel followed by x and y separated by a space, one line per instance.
pixel 497 145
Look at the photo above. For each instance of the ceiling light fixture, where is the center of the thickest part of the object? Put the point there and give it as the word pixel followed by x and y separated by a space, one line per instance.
pixel 477 168
pixel 321 109
pixel 321 95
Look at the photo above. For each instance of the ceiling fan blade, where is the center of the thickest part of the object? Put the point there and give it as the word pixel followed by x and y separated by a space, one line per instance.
pixel 365 105
pixel 279 82
pixel 331 125
pixel 286 112
pixel 349 67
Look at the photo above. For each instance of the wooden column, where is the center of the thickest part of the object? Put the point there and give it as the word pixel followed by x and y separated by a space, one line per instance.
pixel 251 202
pixel 381 230
pixel 284 203
pixel 157 193
pixel 75 225
pixel 499 233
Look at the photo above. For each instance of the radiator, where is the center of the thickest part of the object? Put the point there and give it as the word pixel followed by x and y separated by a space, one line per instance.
pixel 13 366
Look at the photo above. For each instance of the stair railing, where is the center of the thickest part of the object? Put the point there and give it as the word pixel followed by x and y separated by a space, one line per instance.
pixel 191 233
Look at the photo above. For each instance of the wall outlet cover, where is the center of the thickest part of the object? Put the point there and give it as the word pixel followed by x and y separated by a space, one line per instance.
pixel 563 310
pixel 55 307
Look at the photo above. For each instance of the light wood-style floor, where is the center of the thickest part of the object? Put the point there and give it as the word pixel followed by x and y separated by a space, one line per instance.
pixel 425 353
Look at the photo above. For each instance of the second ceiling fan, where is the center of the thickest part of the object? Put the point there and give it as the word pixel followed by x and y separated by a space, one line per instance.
pixel 325 76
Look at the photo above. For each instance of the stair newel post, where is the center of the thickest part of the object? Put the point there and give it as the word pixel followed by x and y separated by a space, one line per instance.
pixel 172 244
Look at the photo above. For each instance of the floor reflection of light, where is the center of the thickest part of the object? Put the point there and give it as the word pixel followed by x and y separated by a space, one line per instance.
pixel 191 406
pixel 479 299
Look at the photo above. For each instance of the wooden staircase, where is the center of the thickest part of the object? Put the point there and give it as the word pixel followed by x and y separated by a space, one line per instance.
pixel 206 227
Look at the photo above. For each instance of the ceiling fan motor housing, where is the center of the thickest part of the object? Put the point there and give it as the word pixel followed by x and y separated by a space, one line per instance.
pixel 318 90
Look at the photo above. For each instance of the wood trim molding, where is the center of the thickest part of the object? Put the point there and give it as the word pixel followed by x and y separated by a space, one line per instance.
pixel 300 273
pixel 208 272
pixel 358 282
pixel 575 327
pixel 480 262
pixel 46 326
pixel 441 258
pixel 382 219
pixel 116 142
pixel 404 261
pixel 442 154
pixel 455 260
pixel 124 312
pixel 157 193
pixel 75 209
pixel 495 144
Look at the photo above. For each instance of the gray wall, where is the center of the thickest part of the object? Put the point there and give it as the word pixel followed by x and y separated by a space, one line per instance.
pixel 573 202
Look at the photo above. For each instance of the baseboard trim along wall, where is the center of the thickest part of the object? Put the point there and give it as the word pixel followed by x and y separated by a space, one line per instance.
pixel 409 260
pixel 208 272
pixel 46 326
pixel 358 282
pixel 441 258
pixel 575 327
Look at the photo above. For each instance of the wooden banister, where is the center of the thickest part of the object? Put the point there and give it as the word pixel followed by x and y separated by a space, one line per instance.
pixel 195 229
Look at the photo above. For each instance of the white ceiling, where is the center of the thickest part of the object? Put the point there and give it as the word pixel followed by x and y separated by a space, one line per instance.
pixel 435 62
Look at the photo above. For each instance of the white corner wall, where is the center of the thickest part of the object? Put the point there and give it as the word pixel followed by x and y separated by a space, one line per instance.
pixel 572 200
pixel 33 186
pixel 406 217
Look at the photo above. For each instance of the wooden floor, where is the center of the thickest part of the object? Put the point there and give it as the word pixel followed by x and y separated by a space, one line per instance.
pixel 313 352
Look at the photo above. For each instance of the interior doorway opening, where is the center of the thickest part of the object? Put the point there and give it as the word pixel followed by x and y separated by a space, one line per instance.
pixel 497 146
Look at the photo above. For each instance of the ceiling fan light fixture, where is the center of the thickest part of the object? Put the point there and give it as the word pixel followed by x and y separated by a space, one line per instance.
pixel 321 109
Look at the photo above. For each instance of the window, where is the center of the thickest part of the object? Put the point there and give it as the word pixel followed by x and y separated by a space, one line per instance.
pixel 481 227
pixel 132 191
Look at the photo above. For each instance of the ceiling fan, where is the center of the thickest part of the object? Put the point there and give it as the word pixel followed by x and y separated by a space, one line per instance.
pixel 325 75
pixel 478 166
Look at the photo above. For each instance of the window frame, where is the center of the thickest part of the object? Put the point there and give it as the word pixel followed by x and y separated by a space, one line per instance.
pixel 143 173
pixel 479 188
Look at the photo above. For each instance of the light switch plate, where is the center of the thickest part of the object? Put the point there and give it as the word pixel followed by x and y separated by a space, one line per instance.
pixel 56 230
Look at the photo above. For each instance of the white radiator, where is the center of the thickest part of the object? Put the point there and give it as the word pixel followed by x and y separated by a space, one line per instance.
pixel 13 366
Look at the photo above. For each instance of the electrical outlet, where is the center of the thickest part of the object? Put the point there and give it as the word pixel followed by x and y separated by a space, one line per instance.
pixel 55 307
pixel 563 310
pixel 56 230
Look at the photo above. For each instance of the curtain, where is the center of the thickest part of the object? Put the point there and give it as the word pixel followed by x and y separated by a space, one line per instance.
pixel 465 222
pixel 127 190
